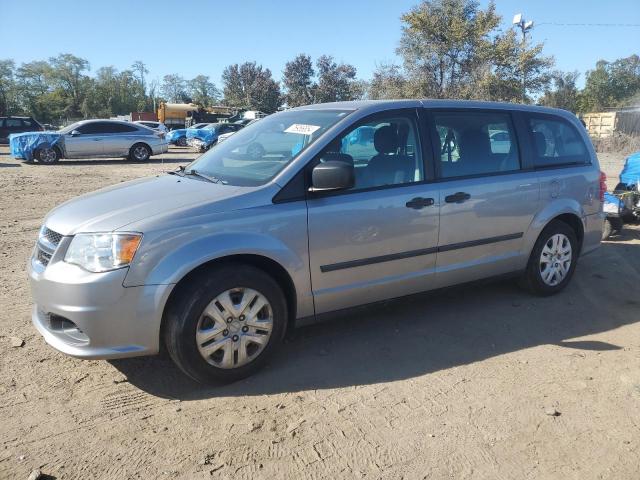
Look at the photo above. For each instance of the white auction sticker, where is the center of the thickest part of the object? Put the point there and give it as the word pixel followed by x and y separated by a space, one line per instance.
pixel 302 129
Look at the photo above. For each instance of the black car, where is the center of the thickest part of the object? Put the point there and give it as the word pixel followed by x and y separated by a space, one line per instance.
pixel 9 125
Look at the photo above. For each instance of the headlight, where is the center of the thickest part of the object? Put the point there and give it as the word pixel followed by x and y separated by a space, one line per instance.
pixel 100 252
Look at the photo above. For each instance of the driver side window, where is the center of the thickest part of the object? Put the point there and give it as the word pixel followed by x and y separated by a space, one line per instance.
pixel 384 151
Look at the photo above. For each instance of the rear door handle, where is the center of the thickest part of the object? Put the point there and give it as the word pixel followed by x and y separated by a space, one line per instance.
pixel 419 202
pixel 458 197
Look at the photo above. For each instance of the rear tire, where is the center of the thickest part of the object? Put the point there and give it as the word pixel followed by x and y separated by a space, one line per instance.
pixel 607 229
pixel 552 261
pixel 196 312
pixel 139 152
pixel 47 155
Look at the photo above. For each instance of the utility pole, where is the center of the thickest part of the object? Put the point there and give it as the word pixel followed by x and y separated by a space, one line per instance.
pixel 524 26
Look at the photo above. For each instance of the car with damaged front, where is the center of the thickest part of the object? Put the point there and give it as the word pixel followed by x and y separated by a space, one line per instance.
pixel 89 139
pixel 204 138
pixel 178 136
pixel 216 260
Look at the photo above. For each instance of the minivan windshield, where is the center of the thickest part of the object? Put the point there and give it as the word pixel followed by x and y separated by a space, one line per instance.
pixel 258 152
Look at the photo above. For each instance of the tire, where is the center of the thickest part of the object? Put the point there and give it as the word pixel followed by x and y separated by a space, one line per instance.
pixel 47 155
pixel 607 229
pixel 139 152
pixel 536 277
pixel 181 142
pixel 616 225
pixel 217 357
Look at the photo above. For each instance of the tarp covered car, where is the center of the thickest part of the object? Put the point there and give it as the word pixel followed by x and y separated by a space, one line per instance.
pixel 630 174
pixel 36 145
pixel 628 190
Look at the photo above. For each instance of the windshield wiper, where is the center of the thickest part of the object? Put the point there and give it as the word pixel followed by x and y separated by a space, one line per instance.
pixel 196 173
pixel 179 172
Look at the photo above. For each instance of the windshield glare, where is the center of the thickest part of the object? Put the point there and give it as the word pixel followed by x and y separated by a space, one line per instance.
pixel 258 152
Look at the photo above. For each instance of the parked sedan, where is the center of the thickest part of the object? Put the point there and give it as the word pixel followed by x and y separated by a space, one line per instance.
pixel 204 138
pixel 90 138
pixel 159 126
pixel 179 136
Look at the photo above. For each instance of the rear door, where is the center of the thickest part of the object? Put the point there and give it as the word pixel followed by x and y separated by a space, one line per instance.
pixel 119 138
pixel 378 239
pixel 488 198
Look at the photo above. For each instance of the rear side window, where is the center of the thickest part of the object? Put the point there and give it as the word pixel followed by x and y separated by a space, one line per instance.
pixel 119 128
pixel 476 143
pixel 13 122
pixel 556 142
pixel 27 122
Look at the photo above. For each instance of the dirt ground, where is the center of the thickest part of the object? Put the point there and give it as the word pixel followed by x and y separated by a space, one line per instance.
pixel 481 382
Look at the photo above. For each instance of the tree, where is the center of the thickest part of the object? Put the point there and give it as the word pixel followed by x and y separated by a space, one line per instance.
pixel 298 81
pixel 173 88
pixel 443 44
pixel 7 86
pixel 140 70
pixel 67 75
pixel 611 84
pixel 564 93
pixel 203 91
pixel 388 82
pixel 250 86
pixel 335 82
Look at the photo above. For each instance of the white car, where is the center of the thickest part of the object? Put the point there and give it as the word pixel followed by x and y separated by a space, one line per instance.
pixel 159 126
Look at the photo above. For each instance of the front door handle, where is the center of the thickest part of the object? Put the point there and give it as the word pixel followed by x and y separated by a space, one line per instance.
pixel 458 197
pixel 419 202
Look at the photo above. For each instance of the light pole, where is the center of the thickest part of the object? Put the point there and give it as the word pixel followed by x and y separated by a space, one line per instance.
pixel 524 26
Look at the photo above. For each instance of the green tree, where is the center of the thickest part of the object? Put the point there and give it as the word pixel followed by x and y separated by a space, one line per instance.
pixel 564 93
pixel 250 86
pixel 140 70
pixel 611 84
pixel 203 91
pixel 173 88
pixel 444 43
pixel 67 75
pixel 388 82
pixel 335 81
pixel 298 81
pixel 7 87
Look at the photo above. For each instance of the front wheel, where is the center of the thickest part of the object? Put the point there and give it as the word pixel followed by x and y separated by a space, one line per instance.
pixel 552 261
pixel 224 325
pixel 47 155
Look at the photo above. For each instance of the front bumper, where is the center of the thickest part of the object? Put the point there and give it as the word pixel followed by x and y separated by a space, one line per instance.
pixel 91 315
pixel 196 143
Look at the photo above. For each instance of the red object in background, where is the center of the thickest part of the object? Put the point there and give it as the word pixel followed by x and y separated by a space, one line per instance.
pixel 146 116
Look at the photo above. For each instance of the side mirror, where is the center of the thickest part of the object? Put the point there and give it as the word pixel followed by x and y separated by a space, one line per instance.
pixel 332 175
pixel 75 133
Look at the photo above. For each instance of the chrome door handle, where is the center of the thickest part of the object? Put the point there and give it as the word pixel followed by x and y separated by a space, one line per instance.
pixel 525 185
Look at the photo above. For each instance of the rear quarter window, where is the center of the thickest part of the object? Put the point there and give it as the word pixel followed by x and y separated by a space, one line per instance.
pixel 555 142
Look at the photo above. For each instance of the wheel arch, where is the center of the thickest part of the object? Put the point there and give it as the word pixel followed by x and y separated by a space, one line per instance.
pixel 266 264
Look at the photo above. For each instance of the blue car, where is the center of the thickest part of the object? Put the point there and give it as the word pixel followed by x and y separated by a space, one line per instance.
pixel 204 138
pixel 179 136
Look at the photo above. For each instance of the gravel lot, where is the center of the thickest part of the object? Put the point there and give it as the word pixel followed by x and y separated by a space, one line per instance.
pixel 475 382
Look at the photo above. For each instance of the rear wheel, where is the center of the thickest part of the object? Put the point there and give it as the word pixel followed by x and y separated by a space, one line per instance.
pixel 47 155
pixel 139 152
pixel 224 325
pixel 552 261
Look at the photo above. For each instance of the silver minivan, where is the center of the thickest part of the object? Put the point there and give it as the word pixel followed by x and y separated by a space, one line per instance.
pixel 346 204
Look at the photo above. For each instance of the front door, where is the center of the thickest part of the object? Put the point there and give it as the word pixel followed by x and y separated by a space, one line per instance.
pixel 378 239
pixel 86 141
pixel 487 200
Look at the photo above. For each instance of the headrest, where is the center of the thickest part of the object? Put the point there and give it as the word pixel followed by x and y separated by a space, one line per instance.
pixel 475 143
pixel 541 143
pixel 385 140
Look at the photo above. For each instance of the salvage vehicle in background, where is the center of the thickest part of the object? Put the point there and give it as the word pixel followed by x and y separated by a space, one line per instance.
pixel 217 260
pixel 90 138
pixel 204 138
pixel 159 126
pixel 179 135
pixel 9 125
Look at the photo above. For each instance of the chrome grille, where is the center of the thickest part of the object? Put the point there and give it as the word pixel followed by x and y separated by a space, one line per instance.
pixel 48 241
pixel 53 237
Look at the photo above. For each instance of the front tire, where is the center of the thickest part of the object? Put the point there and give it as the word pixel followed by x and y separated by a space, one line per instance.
pixel 225 324
pixel 47 155
pixel 552 261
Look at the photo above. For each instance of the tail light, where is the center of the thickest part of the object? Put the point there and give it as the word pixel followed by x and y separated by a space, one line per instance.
pixel 603 185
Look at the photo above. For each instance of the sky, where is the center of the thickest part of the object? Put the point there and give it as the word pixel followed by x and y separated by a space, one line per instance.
pixel 191 37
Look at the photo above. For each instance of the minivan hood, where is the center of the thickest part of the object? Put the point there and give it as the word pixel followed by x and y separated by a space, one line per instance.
pixel 113 207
